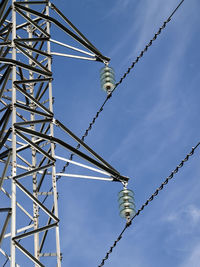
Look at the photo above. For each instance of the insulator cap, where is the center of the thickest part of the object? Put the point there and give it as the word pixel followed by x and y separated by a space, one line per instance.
pixel 107 79
pixel 126 203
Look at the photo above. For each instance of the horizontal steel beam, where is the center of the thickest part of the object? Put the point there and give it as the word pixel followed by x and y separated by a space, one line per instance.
pixel 73 56
pixel 82 165
pixel 33 110
pixel 77 31
pixel 72 47
pixel 66 30
pixel 33 171
pixel 33 122
pixel 74 150
pixel 20 230
pixel 39 230
pixel 78 140
pixel 25 66
pixel 16 41
pixel 34 39
pixel 84 177
pixel 34 81
pixel 32 2
pixel 48 254
pixel 5 209
pixel 5 43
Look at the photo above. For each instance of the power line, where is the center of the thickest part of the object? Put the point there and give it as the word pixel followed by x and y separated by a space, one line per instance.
pixel 110 95
pixel 121 80
pixel 151 198
pixel 117 84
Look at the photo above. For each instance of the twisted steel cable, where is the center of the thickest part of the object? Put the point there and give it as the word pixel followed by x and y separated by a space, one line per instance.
pixel 121 80
pixel 97 115
pixel 101 109
pixel 151 198
pixel 116 85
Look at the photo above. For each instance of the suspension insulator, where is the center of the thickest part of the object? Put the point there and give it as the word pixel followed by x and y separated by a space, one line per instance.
pixel 126 203
pixel 107 79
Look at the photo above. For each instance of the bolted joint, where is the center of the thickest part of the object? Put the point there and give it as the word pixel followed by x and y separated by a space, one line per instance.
pixel 119 178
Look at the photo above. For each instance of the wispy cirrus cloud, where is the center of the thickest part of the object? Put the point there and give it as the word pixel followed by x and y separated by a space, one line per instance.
pixel 189 215
pixel 193 259
pixel 166 105
pixel 145 16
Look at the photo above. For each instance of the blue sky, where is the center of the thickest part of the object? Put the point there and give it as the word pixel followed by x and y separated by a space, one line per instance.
pixel 145 130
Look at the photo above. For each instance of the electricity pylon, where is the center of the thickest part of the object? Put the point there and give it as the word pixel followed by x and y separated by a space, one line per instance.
pixel 27 141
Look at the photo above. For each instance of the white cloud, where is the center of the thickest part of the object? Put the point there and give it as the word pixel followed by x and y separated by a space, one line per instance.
pixel 194 213
pixel 166 105
pixel 184 220
pixel 193 259
pixel 147 18
pixel 124 3
pixel 120 5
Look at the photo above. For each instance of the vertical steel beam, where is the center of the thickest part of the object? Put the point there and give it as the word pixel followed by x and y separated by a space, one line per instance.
pixel 14 168
pixel 34 177
pixel 53 149
pixel 30 48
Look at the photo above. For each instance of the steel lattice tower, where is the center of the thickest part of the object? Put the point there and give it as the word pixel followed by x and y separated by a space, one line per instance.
pixel 27 141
